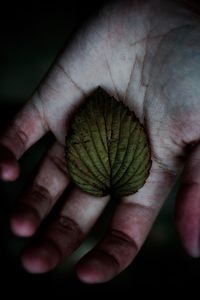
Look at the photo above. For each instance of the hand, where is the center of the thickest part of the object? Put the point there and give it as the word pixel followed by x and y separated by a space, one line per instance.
pixel 146 53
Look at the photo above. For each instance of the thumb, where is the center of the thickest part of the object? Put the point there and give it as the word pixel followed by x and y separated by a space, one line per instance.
pixel 188 204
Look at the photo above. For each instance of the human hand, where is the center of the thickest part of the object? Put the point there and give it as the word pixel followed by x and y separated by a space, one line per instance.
pixel 146 54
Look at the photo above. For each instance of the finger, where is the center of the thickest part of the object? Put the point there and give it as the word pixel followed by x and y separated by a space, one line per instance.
pixel 39 199
pixel 188 204
pixel 66 233
pixel 127 231
pixel 24 130
pixel 9 168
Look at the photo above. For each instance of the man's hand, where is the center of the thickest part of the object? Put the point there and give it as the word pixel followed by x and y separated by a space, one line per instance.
pixel 145 53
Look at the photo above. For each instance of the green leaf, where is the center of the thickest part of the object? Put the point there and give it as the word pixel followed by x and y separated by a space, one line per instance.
pixel 107 150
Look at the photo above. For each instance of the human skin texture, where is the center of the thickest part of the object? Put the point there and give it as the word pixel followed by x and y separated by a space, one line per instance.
pixel 146 53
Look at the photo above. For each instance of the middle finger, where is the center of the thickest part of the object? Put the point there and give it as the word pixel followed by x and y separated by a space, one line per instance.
pixel 37 201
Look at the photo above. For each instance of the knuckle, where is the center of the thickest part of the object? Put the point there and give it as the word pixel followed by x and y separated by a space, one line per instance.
pixel 122 239
pixel 15 138
pixel 59 162
pixel 68 226
pixel 40 192
pixel 38 196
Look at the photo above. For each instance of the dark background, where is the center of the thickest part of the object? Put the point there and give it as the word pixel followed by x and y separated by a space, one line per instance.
pixel 30 39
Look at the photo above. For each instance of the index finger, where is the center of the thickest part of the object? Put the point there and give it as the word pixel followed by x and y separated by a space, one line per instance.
pixel 27 127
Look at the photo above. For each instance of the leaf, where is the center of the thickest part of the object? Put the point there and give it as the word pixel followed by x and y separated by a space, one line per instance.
pixel 107 150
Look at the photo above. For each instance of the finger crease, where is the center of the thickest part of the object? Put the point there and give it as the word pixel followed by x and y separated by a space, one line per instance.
pixel 124 238
pixel 67 225
pixel 18 137
pixel 111 257
pixel 40 195
pixel 59 163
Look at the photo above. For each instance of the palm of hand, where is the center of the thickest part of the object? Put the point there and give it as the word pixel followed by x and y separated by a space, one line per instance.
pixel 153 68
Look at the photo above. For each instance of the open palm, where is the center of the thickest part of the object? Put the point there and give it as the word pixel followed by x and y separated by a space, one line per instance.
pixel 146 54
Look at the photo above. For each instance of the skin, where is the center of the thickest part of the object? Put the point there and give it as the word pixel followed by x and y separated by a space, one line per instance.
pixel 146 53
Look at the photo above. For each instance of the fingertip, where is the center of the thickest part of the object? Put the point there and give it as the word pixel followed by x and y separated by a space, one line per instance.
pixel 96 269
pixel 40 258
pixel 9 172
pixel 9 167
pixel 190 241
pixel 193 252
pixel 34 262
pixel 23 227
pixel 88 274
